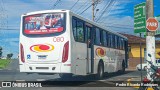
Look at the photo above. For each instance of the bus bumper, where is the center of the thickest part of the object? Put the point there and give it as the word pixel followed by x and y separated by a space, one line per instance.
pixel 45 68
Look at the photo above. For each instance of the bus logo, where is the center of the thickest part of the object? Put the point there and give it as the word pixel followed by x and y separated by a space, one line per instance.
pixel 100 52
pixel 42 48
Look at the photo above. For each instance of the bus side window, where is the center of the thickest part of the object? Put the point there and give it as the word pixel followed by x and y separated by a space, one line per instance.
pixel 74 28
pixel 116 41
pixel 120 43
pixel 113 41
pixel 109 39
pixel 97 36
pixel 104 38
pixel 101 38
pixel 80 31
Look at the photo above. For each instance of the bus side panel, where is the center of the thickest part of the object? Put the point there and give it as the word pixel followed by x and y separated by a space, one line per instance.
pixel 78 54
pixel 67 66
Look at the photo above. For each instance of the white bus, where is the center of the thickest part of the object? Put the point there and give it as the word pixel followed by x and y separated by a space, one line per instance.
pixel 59 41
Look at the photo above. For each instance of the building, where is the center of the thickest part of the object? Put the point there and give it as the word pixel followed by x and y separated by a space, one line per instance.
pixel 134 50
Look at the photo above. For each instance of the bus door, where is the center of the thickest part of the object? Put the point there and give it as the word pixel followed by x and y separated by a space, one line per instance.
pixel 90 51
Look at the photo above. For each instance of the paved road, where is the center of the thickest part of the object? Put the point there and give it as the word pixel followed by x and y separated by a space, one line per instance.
pixel 12 74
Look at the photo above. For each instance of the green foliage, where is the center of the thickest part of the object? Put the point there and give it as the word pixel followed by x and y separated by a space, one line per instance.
pixel 1 51
pixel 4 63
pixel 1 48
pixel 9 55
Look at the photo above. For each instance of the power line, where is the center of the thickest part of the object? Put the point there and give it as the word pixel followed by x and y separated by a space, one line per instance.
pixel 82 6
pixel 110 3
pixel 56 3
pixel 88 7
pixel 105 6
pixel 119 27
pixel 115 24
pixel 74 5
pixel 11 29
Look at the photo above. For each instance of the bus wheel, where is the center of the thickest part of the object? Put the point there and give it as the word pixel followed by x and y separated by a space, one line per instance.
pixel 65 75
pixel 100 73
pixel 123 67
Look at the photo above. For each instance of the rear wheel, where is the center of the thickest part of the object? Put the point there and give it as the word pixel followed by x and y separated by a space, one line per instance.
pixel 123 67
pixel 100 72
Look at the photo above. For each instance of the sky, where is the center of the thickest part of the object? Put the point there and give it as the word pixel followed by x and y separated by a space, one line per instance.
pixel 115 15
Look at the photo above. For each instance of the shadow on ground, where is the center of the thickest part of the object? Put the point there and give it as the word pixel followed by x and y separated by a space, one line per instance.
pixel 84 81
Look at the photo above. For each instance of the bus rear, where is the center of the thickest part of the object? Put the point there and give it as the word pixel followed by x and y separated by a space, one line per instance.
pixel 44 43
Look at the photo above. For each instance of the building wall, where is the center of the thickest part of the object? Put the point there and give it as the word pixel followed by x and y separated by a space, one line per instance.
pixel 134 54
pixel 135 50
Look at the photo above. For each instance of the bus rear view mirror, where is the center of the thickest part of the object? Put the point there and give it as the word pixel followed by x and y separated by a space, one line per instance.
pixel 149 55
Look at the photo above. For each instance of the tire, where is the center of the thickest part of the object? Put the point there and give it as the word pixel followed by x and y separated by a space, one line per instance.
pixel 145 68
pixel 100 72
pixel 123 67
pixel 156 88
pixel 65 75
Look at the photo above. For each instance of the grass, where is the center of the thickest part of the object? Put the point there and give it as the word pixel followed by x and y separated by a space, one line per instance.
pixel 4 63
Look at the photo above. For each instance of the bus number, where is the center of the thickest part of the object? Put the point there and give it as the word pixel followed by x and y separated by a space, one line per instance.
pixel 58 39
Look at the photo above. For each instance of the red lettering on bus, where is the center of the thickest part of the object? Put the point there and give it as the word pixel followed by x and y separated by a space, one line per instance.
pixel 58 39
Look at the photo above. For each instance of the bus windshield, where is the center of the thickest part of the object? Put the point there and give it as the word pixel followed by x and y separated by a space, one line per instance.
pixel 44 23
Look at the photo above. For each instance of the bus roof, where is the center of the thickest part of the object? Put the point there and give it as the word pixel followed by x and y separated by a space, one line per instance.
pixel 45 11
pixel 85 19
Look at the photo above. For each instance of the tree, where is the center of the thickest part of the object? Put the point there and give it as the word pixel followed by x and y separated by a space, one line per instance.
pixel 1 51
pixel 9 55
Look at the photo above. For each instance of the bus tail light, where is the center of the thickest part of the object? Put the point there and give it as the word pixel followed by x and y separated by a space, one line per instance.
pixel 22 53
pixel 65 52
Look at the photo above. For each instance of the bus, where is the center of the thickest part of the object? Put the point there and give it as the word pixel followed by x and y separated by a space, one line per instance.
pixel 62 42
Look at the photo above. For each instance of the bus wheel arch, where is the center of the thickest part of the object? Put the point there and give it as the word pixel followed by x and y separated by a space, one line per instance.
pixel 100 69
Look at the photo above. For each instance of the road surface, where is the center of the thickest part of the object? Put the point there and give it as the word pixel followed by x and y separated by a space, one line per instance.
pixel 53 82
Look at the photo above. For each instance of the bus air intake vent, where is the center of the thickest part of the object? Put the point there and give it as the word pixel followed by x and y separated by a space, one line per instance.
pixel 42 68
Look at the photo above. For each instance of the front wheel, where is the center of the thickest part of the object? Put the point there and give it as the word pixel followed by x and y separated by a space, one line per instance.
pixel 156 88
pixel 100 72
pixel 123 68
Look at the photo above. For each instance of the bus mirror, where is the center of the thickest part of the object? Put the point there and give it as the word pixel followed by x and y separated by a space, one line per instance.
pixel 89 41
pixel 149 55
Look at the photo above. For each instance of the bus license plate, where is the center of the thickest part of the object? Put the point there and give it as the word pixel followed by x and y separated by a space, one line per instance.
pixel 42 56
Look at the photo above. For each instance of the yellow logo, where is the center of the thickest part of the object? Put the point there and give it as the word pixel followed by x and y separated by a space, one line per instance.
pixel 42 48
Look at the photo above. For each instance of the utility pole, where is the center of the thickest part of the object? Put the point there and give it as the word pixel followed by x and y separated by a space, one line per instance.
pixel 150 37
pixel 93 7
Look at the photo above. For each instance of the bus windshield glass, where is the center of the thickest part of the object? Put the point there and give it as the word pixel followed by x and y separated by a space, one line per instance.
pixel 44 23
